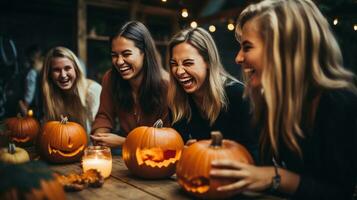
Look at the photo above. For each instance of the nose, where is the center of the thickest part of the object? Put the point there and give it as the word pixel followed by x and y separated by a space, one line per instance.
pixel 63 73
pixel 240 57
pixel 180 71
pixel 119 60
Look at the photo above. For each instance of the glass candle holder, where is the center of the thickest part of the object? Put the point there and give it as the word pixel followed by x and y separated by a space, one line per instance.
pixel 99 158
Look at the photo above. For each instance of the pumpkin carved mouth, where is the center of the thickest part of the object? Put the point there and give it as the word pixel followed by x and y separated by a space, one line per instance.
pixel 197 185
pixel 21 140
pixel 156 157
pixel 64 153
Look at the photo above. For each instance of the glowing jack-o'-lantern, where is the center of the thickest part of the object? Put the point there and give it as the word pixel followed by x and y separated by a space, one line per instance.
pixel 195 164
pixel 152 152
pixel 23 130
pixel 62 142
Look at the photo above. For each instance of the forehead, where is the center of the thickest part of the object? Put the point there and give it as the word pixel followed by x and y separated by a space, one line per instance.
pixel 122 43
pixel 184 50
pixel 61 62
pixel 249 30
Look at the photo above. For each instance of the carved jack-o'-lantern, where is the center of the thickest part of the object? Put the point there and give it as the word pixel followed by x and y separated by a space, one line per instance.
pixel 62 142
pixel 195 164
pixel 152 152
pixel 23 130
pixel 29 181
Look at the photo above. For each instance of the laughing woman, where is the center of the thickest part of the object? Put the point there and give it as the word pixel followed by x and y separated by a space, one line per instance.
pixel 134 90
pixel 65 89
pixel 304 101
pixel 203 97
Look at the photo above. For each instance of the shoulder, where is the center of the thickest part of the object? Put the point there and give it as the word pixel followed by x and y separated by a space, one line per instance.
pixel 234 89
pixel 93 86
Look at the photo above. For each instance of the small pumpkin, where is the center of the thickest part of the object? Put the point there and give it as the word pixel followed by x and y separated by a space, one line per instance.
pixel 152 152
pixel 195 164
pixel 29 181
pixel 62 141
pixel 23 130
pixel 13 155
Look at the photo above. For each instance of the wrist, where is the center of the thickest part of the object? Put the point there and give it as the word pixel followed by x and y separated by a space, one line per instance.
pixel 276 179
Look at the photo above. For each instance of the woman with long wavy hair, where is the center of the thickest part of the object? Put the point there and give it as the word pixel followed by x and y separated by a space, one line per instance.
pixel 134 90
pixel 203 97
pixel 65 89
pixel 304 101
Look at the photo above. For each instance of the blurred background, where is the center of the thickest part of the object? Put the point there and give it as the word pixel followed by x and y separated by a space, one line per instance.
pixel 85 25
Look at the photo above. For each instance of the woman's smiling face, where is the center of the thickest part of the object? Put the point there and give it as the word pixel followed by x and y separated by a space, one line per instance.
pixel 127 58
pixel 189 68
pixel 250 55
pixel 63 73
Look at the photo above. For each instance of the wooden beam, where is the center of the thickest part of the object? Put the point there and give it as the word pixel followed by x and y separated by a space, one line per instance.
pixel 108 4
pixel 82 30
pixel 134 9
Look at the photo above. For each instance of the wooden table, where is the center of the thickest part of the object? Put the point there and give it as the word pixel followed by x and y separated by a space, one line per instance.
pixel 122 185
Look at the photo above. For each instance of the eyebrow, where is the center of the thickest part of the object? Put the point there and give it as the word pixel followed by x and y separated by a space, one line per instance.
pixel 124 51
pixel 245 42
pixel 188 59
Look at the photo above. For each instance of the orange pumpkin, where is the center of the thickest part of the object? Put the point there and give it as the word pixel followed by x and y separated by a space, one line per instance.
pixel 152 152
pixel 23 130
pixel 62 141
pixel 29 181
pixel 195 164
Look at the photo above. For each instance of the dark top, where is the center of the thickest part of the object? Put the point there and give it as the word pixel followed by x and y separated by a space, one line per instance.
pixel 234 122
pixel 328 169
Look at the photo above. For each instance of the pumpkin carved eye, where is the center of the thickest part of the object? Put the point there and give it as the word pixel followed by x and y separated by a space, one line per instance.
pixel 193 171
pixel 152 152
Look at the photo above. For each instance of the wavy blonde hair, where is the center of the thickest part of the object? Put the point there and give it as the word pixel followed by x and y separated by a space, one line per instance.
pixel 301 58
pixel 71 103
pixel 215 98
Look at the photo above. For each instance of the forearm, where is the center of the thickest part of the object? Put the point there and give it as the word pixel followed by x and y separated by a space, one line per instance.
pixel 289 181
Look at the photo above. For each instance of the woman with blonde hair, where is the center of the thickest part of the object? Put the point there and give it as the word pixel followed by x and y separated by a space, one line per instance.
pixel 65 89
pixel 304 101
pixel 203 97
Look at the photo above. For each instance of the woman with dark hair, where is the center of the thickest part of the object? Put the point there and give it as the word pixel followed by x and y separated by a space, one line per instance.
pixel 134 90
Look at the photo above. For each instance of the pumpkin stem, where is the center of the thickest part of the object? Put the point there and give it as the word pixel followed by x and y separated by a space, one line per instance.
pixel 158 124
pixel 19 115
pixel 11 148
pixel 217 138
pixel 64 120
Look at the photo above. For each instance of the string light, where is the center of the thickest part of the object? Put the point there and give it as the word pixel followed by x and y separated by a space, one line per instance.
pixel 193 24
pixel 335 21
pixel 355 27
pixel 212 28
pixel 184 13
pixel 163 0
pixel 230 25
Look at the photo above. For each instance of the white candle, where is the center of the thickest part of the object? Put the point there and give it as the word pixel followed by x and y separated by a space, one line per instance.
pixel 104 166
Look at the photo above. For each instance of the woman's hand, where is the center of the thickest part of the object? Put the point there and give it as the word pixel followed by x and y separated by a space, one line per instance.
pixel 249 177
pixel 107 139
pixel 253 178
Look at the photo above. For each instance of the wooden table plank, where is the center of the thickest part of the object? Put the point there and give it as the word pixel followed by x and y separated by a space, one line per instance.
pixel 163 189
pixel 112 188
pixel 123 185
